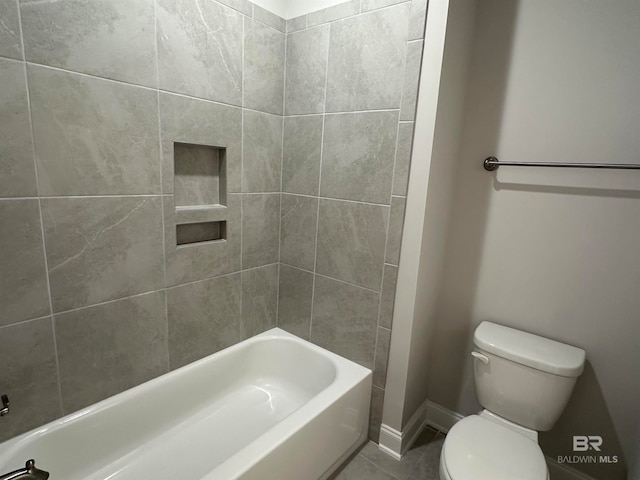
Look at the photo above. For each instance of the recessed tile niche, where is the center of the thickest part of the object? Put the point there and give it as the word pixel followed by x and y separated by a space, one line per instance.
pixel 200 190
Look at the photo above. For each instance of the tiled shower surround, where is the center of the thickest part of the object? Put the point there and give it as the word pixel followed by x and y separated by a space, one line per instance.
pixel 315 116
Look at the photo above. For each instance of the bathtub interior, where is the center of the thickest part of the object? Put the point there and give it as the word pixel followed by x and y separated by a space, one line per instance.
pixel 204 412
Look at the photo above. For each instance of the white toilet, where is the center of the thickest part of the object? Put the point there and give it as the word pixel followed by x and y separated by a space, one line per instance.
pixel 523 381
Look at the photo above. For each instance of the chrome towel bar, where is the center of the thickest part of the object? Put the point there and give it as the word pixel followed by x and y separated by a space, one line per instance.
pixel 492 163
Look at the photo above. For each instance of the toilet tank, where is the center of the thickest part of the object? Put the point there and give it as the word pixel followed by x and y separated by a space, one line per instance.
pixel 522 377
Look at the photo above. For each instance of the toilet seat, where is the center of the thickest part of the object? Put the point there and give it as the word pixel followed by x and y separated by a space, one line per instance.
pixel 480 449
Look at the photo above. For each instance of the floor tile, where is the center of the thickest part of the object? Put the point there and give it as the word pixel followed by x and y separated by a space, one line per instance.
pixel 421 462
pixel 359 468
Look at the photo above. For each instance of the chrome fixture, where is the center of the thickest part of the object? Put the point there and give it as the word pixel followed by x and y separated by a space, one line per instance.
pixel 5 406
pixel 29 472
pixel 492 163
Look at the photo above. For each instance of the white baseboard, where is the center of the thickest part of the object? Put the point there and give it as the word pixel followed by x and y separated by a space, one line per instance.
pixel 441 418
pixel 397 443
pixel 390 441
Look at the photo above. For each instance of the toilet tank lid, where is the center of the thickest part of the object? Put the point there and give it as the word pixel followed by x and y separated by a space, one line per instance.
pixel 530 350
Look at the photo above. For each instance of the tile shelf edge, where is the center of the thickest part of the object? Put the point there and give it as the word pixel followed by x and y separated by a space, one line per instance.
pixel 200 214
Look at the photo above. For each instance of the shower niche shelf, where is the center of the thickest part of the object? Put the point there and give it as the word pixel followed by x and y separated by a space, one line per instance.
pixel 200 192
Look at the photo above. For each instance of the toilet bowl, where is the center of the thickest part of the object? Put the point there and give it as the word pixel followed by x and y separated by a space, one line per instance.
pixel 483 449
pixel 524 382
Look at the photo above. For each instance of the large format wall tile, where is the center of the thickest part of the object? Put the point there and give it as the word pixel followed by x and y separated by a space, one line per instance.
pixel 298 220
pixel 93 136
pixel 403 159
pixel 307 54
pixel 260 229
pixel 418 18
pixel 344 320
pixel 294 301
pixel 366 56
pixel 368 5
pixel 29 376
pixel 17 169
pixel 295 24
pixel 336 12
pixel 301 157
pixel 204 317
pixel 375 415
pixel 358 154
pixel 259 299
pixel 388 298
pixel 265 16
pixel 396 220
pixel 106 349
pixel 383 343
pixel 189 120
pixel 23 277
pixel 411 81
pixel 262 152
pixel 186 263
pixel 351 239
pixel 264 50
pixel 244 6
pixel 107 38
pixel 100 249
pixel 10 42
pixel 200 49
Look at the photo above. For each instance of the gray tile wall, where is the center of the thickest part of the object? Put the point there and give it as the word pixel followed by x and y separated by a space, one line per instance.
pixel 95 297
pixel 351 87
pixel 317 173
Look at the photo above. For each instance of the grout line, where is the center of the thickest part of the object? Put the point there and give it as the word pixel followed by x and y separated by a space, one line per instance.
pixel 44 243
pixel 244 21
pixel 261 193
pixel 157 290
pixel 106 302
pixel 22 322
pixel 153 89
pixel 284 105
pixel 324 118
pixel 162 202
pixel 11 59
pixel 242 91
pixel 154 195
pixel 4 199
pixel 296 267
pixel 72 197
pixel 360 13
pixel 193 97
pixel 330 278
pixel 338 199
pixel 349 112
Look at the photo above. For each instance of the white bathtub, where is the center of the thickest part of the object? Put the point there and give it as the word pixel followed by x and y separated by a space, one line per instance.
pixel 272 407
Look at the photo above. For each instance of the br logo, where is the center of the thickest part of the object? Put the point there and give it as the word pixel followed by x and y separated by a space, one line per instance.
pixel 583 443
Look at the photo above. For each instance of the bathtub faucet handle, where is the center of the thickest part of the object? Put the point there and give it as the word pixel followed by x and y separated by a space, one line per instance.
pixel 5 406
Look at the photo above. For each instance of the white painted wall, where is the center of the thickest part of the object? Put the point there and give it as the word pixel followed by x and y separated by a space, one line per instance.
pixel 553 252
pixel 294 8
